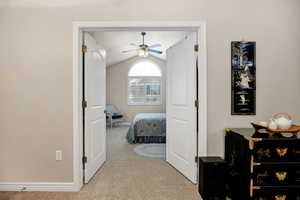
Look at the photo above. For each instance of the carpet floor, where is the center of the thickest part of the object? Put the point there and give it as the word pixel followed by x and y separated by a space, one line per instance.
pixel 151 150
pixel 124 176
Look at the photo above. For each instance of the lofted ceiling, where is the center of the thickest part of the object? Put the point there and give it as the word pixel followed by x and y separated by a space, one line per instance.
pixel 116 42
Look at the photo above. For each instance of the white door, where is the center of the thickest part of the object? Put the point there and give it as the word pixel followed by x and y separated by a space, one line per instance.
pixel 181 110
pixel 95 119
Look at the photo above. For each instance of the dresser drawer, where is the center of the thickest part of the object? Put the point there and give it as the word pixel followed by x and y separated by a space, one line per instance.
pixel 276 175
pixel 271 151
pixel 276 194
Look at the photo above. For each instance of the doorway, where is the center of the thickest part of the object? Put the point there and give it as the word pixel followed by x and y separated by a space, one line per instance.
pixel 79 27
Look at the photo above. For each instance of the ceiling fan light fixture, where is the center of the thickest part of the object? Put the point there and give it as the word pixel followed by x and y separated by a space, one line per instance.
pixel 143 49
pixel 143 53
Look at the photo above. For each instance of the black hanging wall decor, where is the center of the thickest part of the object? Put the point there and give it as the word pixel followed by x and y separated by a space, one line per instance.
pixel 243 78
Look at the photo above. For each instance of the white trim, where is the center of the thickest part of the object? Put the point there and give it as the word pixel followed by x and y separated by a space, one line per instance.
pixel 37 186
pixel 200 27
pixel 77 110
pixel 202 91
pixel 138 25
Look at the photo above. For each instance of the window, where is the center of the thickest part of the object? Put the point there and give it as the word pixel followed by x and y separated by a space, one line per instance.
pixel 144 84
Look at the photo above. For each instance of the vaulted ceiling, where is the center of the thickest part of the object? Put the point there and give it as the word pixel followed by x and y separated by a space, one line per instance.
pixel 116 42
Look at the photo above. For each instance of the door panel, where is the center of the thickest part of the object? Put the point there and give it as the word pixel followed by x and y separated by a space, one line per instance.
pixel 95 119
pixel 181 110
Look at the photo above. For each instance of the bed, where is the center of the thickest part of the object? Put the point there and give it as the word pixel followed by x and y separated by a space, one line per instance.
pixel 147 128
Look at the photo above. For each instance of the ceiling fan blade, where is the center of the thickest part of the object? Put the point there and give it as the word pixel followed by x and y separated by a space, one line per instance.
pixel 130 50
pixel 135 45
pixel 155 51
pixel 155 45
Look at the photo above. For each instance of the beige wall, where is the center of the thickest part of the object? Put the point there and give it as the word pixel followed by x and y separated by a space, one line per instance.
pixel 117 91
pixel 36 70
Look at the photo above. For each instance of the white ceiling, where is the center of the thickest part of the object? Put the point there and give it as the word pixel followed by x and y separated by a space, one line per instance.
pixel 116 42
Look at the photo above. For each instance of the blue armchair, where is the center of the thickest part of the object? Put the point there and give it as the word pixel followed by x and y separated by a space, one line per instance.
pixel 113 115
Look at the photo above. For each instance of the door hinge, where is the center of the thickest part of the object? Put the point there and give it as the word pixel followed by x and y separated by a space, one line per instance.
pixel 197 103
pixel 84 48
pixel 84 159
pixel 196 159
pixel 196 47
pixel 84 104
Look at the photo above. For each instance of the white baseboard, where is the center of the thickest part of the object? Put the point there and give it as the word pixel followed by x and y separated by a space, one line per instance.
pixel 39 186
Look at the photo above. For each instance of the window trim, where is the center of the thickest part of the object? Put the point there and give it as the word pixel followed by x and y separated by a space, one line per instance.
pixel 145 104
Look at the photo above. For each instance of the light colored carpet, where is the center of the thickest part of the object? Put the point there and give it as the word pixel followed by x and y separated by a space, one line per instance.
pixel 151 150
pixel 124 176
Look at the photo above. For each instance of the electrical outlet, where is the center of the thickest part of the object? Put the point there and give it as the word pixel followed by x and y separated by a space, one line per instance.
pixel 58 155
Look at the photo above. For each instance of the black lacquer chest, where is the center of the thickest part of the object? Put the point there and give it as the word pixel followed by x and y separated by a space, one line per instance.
pixel 261 167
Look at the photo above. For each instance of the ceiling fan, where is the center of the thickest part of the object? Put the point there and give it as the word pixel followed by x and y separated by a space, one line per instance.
pixel 144 49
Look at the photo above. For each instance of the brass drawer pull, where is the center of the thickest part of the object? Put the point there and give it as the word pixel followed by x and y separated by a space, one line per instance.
pixel 280 197
pixel 281 151
pixel 281 175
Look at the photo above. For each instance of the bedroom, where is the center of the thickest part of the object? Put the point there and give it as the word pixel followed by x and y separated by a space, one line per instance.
pixel 137 104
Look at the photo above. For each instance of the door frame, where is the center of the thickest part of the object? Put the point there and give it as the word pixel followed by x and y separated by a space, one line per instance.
pixel 79 26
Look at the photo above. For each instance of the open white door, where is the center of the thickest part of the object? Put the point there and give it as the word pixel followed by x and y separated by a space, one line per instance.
pixel 181 110
pixel 94 113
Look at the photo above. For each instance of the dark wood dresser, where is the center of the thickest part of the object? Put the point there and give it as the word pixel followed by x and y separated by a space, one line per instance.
pixel 262 167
